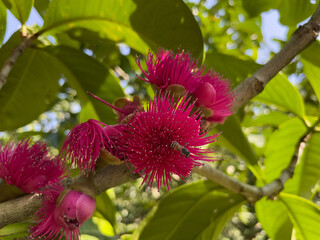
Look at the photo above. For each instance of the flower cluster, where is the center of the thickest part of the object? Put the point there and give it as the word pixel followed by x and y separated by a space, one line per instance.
pixel 29 166
pixel 164 137
pixel 210 90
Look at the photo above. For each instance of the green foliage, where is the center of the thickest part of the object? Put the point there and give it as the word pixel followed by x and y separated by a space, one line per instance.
pixel 3 20
pixel 19 8
pixel 189 213
pixel 91 46
pixel 134 22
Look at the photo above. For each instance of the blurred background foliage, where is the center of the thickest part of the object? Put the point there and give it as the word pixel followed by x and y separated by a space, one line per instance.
pixel 84 46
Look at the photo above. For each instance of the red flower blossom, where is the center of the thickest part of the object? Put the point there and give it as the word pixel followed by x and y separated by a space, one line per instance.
pixel 62 213
pixel 169 68
pixel 210 90
pixel 214 93
pixel 83 143
pixel 29 167
pixel 165 139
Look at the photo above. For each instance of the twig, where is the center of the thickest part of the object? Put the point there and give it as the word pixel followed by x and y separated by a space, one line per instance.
pixel 300 39
pixel 253 193
pixel 9 63
pixel 22 208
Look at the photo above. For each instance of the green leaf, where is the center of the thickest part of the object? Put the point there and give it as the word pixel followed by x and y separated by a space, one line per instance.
pixel 274 118
pixel 234 139
pixel 281 147
pixel 312 72
pixel 106 208
pixel 231 67
pixel 19 8
pixel 294 11
pixel 3 20
pixel 307 171
pixel 190 211
pixel 280 92
pixel 41 7
pixel 91 228
pixel 84 73
pixel 267 211
pixel 14 231
pixel 31 87
pixel 304 214
pixel 141 24
pixel 255 8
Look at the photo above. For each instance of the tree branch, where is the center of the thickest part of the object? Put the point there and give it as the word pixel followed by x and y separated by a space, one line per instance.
pixel 253 193
pixel 9 63
pixel 22 208
pixel 300 39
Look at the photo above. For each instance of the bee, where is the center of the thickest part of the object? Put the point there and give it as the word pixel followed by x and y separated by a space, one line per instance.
pixel 176 146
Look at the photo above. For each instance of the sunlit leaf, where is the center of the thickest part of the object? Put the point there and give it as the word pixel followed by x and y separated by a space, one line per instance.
pixel 190 211
pixel 3 20
pixel 280 92
pixel 294 11
pixel 106 208
pixel 140 24
pixel 19 8
pixel 274 118
pixel 307 171
pixel 269 210
pixel 14 231
pixel 281 147
pixel 304 214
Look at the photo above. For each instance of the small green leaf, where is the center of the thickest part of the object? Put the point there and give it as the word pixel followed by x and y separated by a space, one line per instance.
pixel 231 67
pixel 255 8
pixel 307 171
pixel 141 24
pixel 31 87
pixel 14 231
pixel 3 21
pixel 19 8
pixel 41 7
pixel 269 210
pixel 281 147
pixel 234 139
pixel 190 211
pixel 106 208
pixel 274 118
pixel 312 72
pixel 280 92
pixel 84 73
pixel 304 214
pixel 294 11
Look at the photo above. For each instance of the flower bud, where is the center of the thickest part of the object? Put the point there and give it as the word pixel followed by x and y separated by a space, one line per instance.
pixel 74 209
pixel 205 93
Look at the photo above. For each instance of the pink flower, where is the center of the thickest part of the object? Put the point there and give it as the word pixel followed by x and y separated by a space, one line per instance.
pixel 165 139
pixel 210 90
pixel 83 143
pixel 29 167
pixel 168 68
pixel 62 213
pixel 214 93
